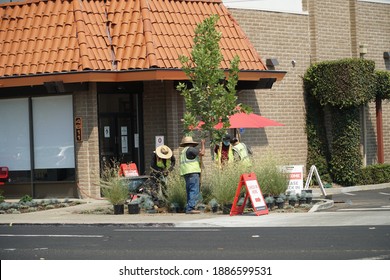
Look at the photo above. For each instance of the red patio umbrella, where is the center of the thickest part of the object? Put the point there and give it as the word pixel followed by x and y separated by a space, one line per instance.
pixel 251 120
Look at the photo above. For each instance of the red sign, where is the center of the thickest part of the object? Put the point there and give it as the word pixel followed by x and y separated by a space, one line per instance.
pixel 3 174
pixel 253 191
pixel 128 170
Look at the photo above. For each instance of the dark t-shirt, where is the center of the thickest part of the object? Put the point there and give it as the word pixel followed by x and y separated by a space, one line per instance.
pixel 192 153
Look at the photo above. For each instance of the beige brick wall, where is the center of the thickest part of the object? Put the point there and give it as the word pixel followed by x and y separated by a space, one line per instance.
pixel 163 111
pixel 332 29
pixel 285 37
pixel 87 152
pixel 373 27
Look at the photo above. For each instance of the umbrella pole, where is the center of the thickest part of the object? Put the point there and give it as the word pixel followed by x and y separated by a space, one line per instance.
pixel 237 134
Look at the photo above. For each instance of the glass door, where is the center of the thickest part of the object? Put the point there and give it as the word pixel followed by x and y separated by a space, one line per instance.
pixel 118 129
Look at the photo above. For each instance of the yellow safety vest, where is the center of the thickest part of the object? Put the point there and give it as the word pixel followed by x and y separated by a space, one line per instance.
pixel 160 163
pixel 188 165
pixel 242 151
pixel 218 158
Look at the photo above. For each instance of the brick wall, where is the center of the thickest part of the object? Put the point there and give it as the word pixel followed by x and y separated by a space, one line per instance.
pixel 373 27
pixel 285 37
pixel 87 159
pixel 331 29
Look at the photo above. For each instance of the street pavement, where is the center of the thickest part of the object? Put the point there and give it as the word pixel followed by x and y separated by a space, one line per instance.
pixel 315 217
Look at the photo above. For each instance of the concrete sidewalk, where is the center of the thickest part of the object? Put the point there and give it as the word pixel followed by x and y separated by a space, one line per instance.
pixel 71 215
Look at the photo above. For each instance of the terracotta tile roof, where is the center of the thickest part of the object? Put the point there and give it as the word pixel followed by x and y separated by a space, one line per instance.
pixel 80 36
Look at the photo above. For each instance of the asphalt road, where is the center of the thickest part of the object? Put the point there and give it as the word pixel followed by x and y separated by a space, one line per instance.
pixel 77 242
pixel 372 200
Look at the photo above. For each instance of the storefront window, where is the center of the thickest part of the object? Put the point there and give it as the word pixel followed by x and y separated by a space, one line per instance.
pixel 53 138
pixel 15 137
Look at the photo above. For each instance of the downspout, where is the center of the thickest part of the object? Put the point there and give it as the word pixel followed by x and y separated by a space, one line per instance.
pixel 379 130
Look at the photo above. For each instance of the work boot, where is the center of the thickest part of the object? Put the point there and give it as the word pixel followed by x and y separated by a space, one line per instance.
pixel 193 212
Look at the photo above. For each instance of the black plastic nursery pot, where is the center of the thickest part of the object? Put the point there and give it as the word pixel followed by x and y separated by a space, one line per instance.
pixel 226 208
pixel 270 205
pixel 119 209
pixel 280 205
pixel 133 208
pixel 292 202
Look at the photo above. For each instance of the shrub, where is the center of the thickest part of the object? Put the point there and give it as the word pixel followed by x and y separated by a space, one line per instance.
pixel 176 190
pixel 342 83
pixel 113 186
pixel 269 175
pixel 375 174
pixel 2 198
pixel 382 84
pixel 346 159
pixel 25 199
pixel 223 182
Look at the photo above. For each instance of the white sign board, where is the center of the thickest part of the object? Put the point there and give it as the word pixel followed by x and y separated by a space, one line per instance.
pixel 159 141
pixel 295 175
pixel 106 132
pixel 255 193
pixel 125 148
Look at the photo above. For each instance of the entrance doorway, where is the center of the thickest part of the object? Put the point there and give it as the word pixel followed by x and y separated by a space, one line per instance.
pixel 119 129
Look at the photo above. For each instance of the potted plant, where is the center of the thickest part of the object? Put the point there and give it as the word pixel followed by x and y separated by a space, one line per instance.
pixel 133 206
pixel 279 202
pixel 269 200
pixel 292 199
pixel 213 204
pixel 309 196
pixel 302 197
pixel 114 188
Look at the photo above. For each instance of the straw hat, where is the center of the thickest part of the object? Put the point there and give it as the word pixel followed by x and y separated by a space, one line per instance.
pixel 164 152
pixel 187 140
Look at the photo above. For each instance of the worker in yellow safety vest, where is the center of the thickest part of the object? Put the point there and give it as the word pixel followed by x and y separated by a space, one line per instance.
pixel 241 152
pixel 224 151
pixel 190 169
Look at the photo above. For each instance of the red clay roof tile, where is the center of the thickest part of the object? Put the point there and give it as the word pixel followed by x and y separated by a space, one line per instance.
pixel 57 36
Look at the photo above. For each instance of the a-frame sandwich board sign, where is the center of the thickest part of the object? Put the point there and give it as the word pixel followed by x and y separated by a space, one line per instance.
pixel 253 191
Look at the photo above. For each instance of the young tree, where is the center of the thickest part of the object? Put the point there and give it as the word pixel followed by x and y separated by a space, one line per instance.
pixel 211 97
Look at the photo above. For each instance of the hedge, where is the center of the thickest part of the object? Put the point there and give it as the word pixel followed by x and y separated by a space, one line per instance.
pixel 342 83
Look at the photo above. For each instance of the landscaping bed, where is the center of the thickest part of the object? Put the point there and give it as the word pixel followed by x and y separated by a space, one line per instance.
pixel 33 205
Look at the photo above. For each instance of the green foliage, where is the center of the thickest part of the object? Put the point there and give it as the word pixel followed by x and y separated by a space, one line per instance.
pixel 223 182
pixel 113 187
pixel 25 199
pixel 342 86
pixel 212 96
pixel 375 174
pixel 346 159
pixel 382 84
pixel 342 83
pixel 318 152
pixel 269 175
pixel 176 190
pixel 2 198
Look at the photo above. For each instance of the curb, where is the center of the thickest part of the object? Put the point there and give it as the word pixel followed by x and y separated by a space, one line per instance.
pixel 321 205
pixel 127 225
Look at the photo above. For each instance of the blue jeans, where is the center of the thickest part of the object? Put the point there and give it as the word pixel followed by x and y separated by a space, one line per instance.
pixel 192 188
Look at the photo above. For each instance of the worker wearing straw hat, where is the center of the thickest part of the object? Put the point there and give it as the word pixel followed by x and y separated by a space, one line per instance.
pixel 190 169
pixel 163 161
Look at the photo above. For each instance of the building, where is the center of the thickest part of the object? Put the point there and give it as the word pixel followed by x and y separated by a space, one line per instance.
pixel 82 82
